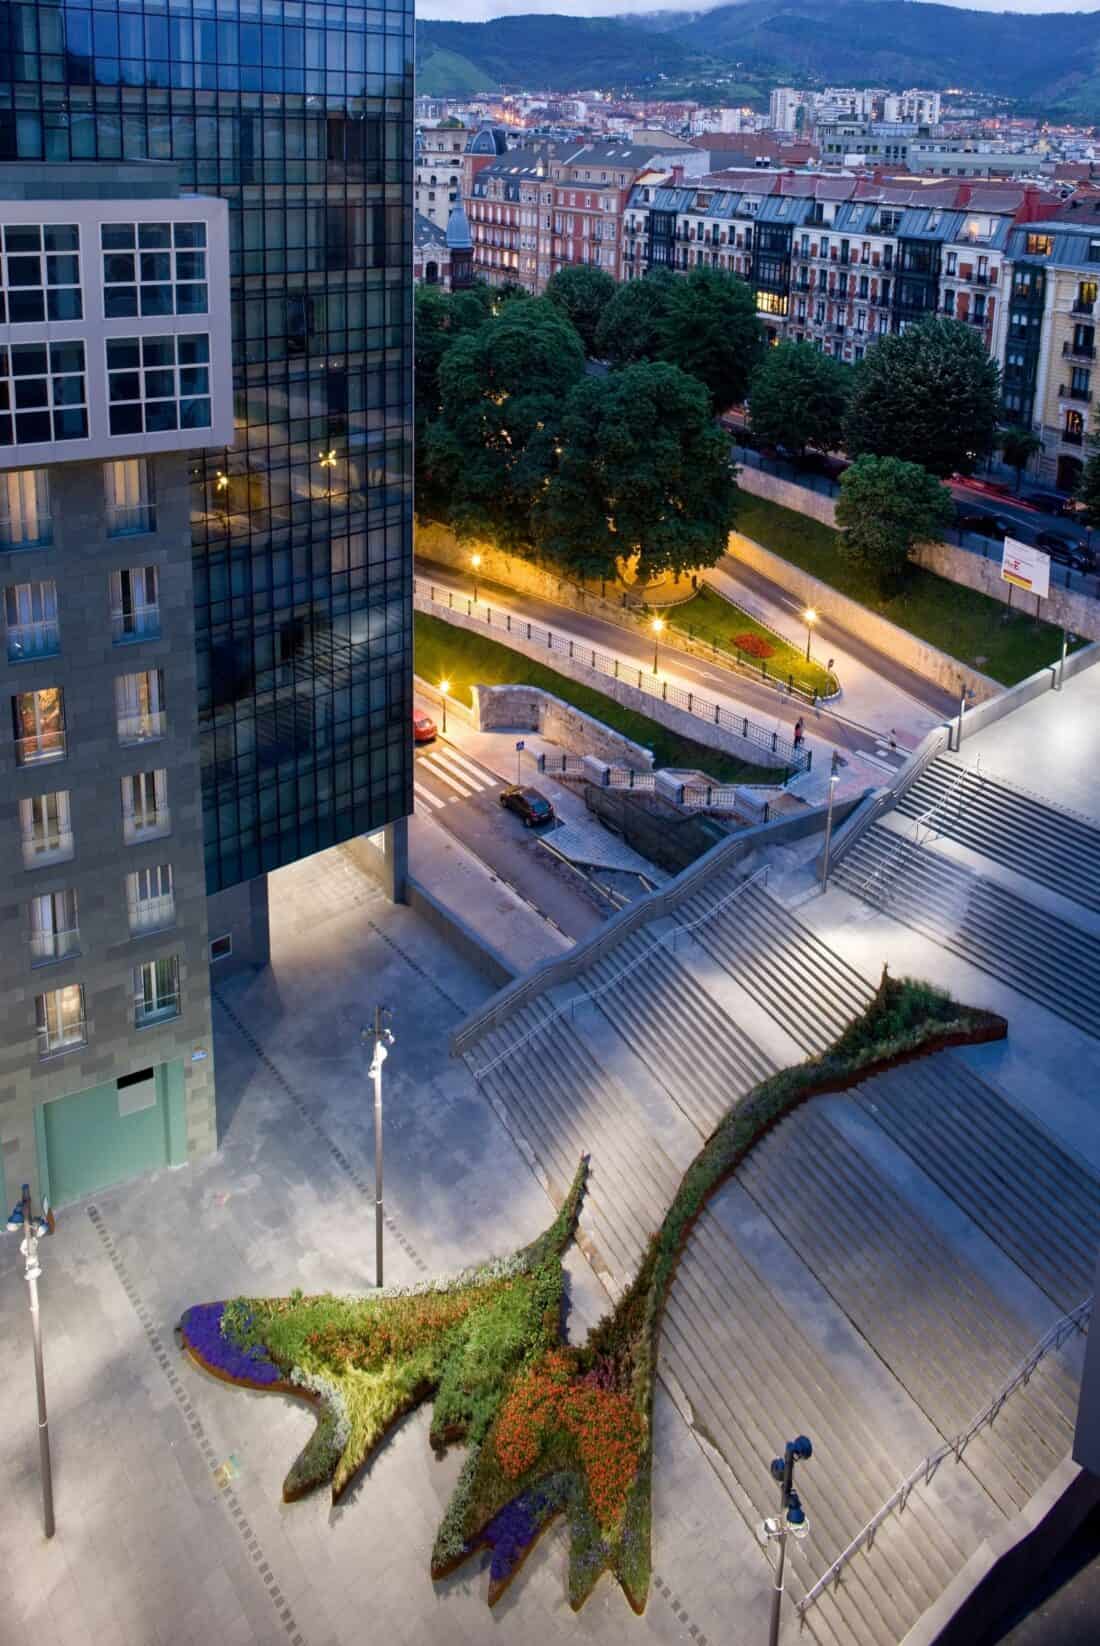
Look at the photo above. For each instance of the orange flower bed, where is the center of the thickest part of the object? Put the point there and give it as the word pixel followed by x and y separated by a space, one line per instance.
pixel 607 1429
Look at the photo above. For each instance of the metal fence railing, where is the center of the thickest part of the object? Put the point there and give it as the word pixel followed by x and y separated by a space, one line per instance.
pixel 764 741
pixel 1077 1320
pixel 694 796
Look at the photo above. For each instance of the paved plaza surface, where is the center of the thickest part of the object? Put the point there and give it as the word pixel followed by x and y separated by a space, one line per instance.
pixel 171 1528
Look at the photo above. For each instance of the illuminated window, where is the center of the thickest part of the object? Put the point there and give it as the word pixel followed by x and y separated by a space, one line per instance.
pixel 1040 245
pixel 771 302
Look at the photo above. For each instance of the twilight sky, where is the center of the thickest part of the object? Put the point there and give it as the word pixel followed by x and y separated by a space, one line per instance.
pixel 477 11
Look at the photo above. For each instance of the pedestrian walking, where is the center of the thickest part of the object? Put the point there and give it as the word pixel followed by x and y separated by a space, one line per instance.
pixel 799 732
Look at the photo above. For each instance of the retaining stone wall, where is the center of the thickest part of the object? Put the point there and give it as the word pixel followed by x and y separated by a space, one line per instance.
pixel 531 708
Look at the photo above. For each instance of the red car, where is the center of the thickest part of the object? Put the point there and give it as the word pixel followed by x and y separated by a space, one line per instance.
pixel 423 727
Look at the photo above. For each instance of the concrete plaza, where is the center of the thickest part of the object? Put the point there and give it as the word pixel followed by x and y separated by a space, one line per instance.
pixel 171 1528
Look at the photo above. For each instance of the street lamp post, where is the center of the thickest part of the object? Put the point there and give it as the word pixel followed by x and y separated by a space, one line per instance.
pixel 834 779
pixel 475 562
pixel 382 1040
pixel 658 626
pixel 34 1227
pixel 792 1519
pixel 444 688
pixel 809 617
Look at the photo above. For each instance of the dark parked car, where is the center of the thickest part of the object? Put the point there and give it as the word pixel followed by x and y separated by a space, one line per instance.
pixel 1065 551
pixel 529 804
pixel 1048 502
pixel 983 525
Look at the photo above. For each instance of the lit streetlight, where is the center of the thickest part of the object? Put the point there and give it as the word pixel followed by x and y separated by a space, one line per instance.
pixel 809 617
pixel 445 687
pixel 475 562
pixel 327 461
pixel 33 1227
pixel 791 1520
pixel 658 626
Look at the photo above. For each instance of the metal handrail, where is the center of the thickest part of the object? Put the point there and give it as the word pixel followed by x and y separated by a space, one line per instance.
pixel 588 995
pixel 905 841
pixel 795 758
pixel 1075 1321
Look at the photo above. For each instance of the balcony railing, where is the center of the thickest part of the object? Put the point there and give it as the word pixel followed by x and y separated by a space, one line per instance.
pixel 1068 392
pixel 1072 350
pixel 41 746
pixel 146 825
pixel 47 946
pixel 62 1038
pixel 1072 437
pixel 153 914
pixel 27 641
pixel 144 727
pixel 158 1011
pixel 128 519
pixel 21 537
pixel 1082 305
pixel 42 848
pixel 139 623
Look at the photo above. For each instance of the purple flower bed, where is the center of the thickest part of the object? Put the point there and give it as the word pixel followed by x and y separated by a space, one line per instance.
pixel 202 1327
pixel 511 1532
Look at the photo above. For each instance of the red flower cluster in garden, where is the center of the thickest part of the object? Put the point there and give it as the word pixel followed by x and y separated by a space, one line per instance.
pixel 396 1327
pixel 607 1429
pixel 754 644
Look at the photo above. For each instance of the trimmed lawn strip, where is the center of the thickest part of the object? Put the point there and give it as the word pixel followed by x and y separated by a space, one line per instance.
pixel 960 621
pixel 446 652
pixel 710 617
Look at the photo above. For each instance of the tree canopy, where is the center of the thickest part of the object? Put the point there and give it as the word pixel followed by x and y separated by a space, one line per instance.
pixel 1088 490
pixel 1018 446
pixel 627 331
pixel 709 328
pixel 798 397
pixel 582 292
pixel 642 470
pixel 884 508
pixel 502 388
pixel 929 395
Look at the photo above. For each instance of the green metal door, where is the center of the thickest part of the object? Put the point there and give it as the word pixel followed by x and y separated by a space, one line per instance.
pixel 101 1136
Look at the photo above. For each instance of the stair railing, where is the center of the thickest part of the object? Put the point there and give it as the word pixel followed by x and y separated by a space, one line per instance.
pixel 925 821
pixel 1077 1320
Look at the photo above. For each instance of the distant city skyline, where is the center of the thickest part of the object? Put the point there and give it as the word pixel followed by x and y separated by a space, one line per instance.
pixel 480 11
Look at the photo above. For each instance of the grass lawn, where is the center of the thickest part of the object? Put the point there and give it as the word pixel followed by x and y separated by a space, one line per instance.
pixel 446 652
pixel 709 617
pixel 960 621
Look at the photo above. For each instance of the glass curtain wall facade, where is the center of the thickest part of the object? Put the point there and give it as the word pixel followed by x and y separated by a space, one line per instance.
pixel 301 117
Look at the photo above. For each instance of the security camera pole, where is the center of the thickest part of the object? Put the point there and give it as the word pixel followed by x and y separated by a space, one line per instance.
pixel 792 1519
pixel 383 1040
pixel 32 1228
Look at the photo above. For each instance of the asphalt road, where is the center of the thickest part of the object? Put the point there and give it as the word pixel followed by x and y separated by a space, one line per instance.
pixel 461 795
pixel 768 704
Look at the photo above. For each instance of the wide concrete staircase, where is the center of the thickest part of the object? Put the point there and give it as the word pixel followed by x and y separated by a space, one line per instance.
pixel 1050 960
pixel 1052 847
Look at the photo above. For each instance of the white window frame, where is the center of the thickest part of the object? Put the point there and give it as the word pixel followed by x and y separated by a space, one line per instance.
pixel 139 706
pixel 54 929
pixel 128 488
pixel 156 991
pixel 25 520
pixel 61 1020
pixel 135 604
pixel 48 743
pixel 145 813
pixel 150 899
pixel 52 824
pixel 30 620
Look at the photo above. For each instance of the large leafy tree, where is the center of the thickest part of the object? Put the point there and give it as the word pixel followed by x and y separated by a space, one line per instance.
pixel 441 318
pixel 929 395
pixel 642 470
pixel 710 329
pixel 628 327
pixel 502 388
pixel 884 508
pixel 582 293
pixel 799 397
pixel 1018 446
pixel 1088 490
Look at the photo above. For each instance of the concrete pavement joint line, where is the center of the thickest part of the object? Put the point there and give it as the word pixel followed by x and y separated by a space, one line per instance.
pixel 194 1423
pixel 414 965
pixel 679 1611
pixel 337 1154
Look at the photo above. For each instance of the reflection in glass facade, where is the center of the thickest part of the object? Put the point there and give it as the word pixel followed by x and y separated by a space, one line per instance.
pixel 301 117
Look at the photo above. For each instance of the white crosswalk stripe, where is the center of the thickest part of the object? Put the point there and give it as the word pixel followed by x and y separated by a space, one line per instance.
pixel 425 797
pixel 458 773
pixel 465 768
pixel 465 790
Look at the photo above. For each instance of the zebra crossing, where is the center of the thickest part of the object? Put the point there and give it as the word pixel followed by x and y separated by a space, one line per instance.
pixel 453 776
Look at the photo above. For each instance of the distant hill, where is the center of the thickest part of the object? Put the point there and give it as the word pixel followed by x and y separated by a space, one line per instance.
pixel 442 73
pixel 1050 64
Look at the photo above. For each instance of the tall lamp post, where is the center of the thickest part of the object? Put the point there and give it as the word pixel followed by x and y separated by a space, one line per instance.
pixel 475 562
pixel 658 627
pixel 792 1519
pixel 381 1039
pixel 834 779
pixel 809 617
pixel 34 1227
pixel 444 688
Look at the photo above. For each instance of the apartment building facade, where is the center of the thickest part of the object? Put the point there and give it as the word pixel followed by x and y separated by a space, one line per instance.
pixel 114 367
pixel 437 179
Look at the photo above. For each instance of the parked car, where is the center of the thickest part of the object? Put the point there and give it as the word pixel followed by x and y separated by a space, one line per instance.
pixel 1046 502
pixel 423 727
pixel 1065 551
pixel 529 804
pixel 983 525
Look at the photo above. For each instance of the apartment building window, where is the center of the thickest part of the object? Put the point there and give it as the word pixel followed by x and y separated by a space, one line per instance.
pixel 158 383
pixel 1080 378
pixel 1073 430
pixel 46 829
pixel 949 300
pixel 951 263
pixel 38 725
pixel 150 899
pixel 135 608
pixel 25 509
pixel 156 991
pixel 128 485
pixel 41 274
pixel 154 268
pixel 1086 297
pixel 54 927
pixel 139 705
pixel 145 814
pixel 60 1020
pixel 1040 245
pixel 30 620
pixel 43 395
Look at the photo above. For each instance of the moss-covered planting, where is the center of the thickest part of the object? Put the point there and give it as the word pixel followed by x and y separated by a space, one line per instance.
pixel 550 1429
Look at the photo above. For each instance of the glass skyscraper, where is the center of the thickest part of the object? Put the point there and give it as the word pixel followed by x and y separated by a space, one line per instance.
pixel 300 116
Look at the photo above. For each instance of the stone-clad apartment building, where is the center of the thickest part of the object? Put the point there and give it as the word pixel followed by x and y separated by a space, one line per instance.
pixel 114 365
